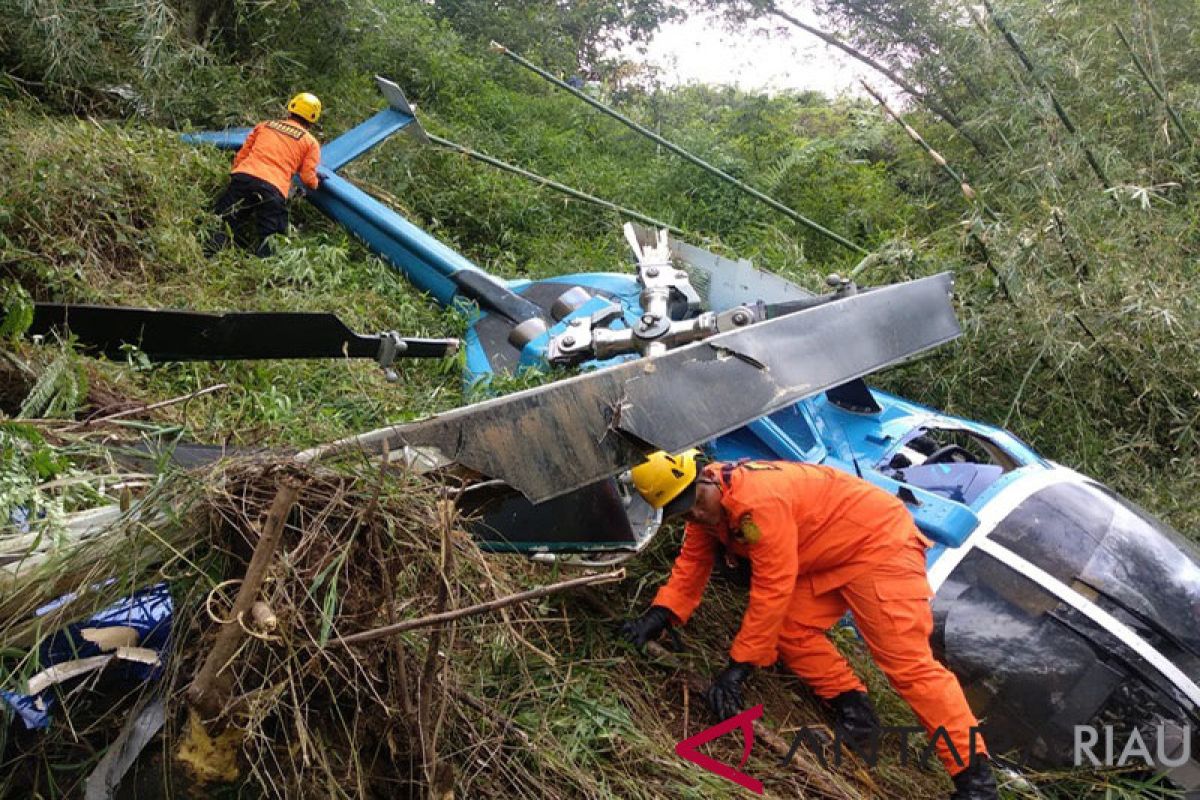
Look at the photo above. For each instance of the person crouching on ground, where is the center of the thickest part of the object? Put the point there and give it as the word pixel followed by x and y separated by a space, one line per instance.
pixel 819 542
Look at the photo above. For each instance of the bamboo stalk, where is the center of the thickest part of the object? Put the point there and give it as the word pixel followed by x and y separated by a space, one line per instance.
pixel 937 108
pixel 986 253
pixel 479 608
pixel 679 151
pixel 555 185
pixel 1154 87
pixel 1061 112
pixel 1077 264
pixel 937 157
pixel 1147 15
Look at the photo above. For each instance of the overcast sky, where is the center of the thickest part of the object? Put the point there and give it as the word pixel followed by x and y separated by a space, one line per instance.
pixel 765 56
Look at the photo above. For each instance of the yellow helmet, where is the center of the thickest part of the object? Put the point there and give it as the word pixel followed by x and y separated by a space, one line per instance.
pixel 662 477
pixel 306 106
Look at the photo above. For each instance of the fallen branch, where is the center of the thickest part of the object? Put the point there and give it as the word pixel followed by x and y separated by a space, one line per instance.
pixel 149 407
pixel 206 694
pixel 491 605
pixel 506 724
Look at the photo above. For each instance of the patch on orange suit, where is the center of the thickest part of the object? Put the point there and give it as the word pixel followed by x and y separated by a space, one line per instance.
pixel 293 131
pixel 748 531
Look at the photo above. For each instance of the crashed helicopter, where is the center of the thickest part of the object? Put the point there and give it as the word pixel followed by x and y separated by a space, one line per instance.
pixel 1058 603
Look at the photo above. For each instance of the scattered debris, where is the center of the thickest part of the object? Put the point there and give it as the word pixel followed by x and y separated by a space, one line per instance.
pixel 132 634
pixel 138 731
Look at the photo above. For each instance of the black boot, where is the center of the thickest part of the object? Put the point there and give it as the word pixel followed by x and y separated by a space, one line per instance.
pixel 855 721
pixel 976 782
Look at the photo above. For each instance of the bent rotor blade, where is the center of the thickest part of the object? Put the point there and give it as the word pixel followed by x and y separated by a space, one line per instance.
pixel 170 335
pixel 550 440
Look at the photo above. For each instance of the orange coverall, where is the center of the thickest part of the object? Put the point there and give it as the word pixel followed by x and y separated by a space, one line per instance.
pixel 276 150
pixel 820 542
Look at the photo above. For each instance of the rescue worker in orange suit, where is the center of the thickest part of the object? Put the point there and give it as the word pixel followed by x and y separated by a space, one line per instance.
pixel 819 542
pixel 262 175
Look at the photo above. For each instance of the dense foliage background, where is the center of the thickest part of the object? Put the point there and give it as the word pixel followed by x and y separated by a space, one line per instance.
pixel 1076 280
pixel 1076 258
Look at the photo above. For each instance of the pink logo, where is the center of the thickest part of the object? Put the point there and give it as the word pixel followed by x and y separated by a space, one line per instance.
pixel 689 748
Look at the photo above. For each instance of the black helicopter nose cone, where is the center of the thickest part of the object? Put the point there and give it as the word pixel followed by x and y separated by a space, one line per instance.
pixel 1078 614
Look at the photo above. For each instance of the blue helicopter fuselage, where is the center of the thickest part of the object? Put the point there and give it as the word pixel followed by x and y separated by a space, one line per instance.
pixel 1057 602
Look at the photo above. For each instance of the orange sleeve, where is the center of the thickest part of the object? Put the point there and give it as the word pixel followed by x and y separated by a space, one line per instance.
pixel 683 590
pixel 773 568
pixel 308 167
pixel 247 146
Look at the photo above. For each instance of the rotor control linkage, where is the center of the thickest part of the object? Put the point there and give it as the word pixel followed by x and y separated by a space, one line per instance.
pixel 172 335
pixel 666 289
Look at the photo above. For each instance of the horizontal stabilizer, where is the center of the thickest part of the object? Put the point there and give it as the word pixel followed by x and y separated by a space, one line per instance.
pixel 399 115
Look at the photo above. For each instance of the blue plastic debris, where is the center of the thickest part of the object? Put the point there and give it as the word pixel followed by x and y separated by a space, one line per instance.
pixel 19 519
pixel 148 611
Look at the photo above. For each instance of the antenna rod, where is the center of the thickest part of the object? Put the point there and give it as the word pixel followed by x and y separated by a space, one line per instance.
pixel 679 151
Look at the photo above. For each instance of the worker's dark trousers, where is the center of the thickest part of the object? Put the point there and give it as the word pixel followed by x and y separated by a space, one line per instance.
pixel 248 199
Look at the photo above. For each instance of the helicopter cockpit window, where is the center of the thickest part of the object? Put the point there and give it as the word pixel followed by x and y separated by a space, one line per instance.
pixel 952 462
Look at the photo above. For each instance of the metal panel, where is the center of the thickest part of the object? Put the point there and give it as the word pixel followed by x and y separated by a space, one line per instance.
pixel 587 520
pixel 724 283
pixel 549 440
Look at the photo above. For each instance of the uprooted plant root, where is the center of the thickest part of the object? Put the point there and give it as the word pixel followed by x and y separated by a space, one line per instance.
pixel 312 710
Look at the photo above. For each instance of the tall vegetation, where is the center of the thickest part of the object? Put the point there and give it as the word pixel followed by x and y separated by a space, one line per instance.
pixel 1077 293
pixel 1077 264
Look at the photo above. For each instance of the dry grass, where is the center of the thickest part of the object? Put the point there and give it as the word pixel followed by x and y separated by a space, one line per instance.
pixel 534 700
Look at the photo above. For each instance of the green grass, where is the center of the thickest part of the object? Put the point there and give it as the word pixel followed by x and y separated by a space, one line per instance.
pixel 1078 308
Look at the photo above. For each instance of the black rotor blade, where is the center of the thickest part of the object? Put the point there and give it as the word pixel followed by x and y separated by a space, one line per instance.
pixel 550 440
pixel 168 335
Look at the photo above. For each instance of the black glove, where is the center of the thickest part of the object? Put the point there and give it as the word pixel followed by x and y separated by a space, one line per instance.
pixel 724 697
pixel 646 627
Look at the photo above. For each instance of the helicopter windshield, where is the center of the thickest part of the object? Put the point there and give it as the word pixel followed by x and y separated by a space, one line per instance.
pixel 1034 663
pixel 1089 536
pixel 953 462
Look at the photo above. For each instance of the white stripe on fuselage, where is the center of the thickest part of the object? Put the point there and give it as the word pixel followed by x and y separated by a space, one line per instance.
pixel 1003 504
pixel 993 512
pixel 1096 614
